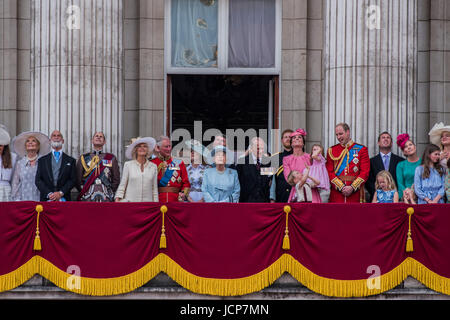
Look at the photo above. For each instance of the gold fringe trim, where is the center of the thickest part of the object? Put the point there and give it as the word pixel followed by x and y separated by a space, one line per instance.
pixel 224 287
pixel 19 276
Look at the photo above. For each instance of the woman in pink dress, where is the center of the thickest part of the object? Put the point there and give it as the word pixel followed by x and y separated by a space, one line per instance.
pixel 298 161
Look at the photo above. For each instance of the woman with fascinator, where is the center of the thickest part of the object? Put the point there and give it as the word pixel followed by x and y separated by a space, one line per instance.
pixel 298 161
pixel 406 169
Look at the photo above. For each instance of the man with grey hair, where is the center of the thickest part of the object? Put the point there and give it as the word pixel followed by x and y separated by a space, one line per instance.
pixel 56 174
pixel 255 185
pixel 173 180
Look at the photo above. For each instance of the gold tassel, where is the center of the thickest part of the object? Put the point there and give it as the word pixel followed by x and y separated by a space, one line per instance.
pixel 37 240
pixel 409 241
pixel 162 240
pixel 286 242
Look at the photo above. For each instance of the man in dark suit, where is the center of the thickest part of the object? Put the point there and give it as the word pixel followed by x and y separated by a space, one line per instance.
pixel 56 172
pixel 255 184
pixel 280 189
pixel 385 160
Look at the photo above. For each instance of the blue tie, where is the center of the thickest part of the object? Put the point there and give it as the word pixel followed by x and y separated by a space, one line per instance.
pixel 57 153
pixel 386 162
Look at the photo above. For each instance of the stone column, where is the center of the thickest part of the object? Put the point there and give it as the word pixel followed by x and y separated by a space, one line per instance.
pixel 76 71
pixel 370 68
pixel 439 62
pixel 8 65
pixel 294 64
pixel 151 68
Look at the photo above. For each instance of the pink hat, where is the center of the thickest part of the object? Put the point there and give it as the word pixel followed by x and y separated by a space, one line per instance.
pixel 298 132
pixel 402 139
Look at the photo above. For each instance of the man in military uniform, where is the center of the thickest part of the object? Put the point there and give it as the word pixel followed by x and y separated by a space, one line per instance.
pixel 280 189
pixel 98 173
pixel 173 180
pixel 348 167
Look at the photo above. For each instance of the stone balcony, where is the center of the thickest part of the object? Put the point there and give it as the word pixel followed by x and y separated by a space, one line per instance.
pixel 162 287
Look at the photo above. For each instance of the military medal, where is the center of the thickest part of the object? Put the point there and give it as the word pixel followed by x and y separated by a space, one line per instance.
pixel 355 161
pixel 355 169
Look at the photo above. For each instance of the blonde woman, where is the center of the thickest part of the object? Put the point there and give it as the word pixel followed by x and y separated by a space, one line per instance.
pixel 385 188
pixel 30 146
pixel 440 136
pixel 139 181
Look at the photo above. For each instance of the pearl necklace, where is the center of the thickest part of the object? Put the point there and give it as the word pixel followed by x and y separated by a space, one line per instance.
pixel 32 159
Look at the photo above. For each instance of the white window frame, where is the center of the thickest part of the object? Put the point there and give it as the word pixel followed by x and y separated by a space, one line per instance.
pixel 222 59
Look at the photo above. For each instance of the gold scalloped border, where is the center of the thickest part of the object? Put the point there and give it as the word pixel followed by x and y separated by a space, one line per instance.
pixel 223 287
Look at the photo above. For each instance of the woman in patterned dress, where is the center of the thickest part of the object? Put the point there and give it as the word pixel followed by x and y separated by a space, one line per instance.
pixel 196 170
pixel 29 146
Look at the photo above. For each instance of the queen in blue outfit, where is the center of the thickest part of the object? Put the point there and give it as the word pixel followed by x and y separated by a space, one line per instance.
pixel 220 184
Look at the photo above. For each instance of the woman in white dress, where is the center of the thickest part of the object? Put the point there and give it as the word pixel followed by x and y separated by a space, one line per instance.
pixel 7 163
pixel 139 181
pixel 30 146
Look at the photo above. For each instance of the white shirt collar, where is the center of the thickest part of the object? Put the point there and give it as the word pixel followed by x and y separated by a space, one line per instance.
pixel 254 157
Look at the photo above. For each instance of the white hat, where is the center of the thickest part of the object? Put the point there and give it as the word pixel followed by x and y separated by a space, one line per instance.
pixel 18 143
pixel 196 146
pixel 149 141
pixel 220 148
pixel 5 139
pixel 436 133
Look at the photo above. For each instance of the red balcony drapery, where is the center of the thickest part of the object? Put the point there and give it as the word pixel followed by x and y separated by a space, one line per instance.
pixel 225 249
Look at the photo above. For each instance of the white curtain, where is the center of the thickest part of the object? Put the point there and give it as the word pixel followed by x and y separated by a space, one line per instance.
pixel 252 34
pixel 194 33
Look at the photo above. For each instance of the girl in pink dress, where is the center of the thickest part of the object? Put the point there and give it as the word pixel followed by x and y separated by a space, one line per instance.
pixel 319 171
pixel 298 160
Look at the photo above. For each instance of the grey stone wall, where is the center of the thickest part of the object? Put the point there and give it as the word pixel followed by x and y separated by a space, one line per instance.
pixel 144 68
pixel 162 287
pixel 301 85
pixel 294 63
pixel 433 92
pixel 8 64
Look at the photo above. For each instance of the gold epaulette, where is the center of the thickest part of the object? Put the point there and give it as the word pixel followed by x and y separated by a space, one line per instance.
pixel 357 183
pixel 162 165
pixel 94 162
pixel 332 157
